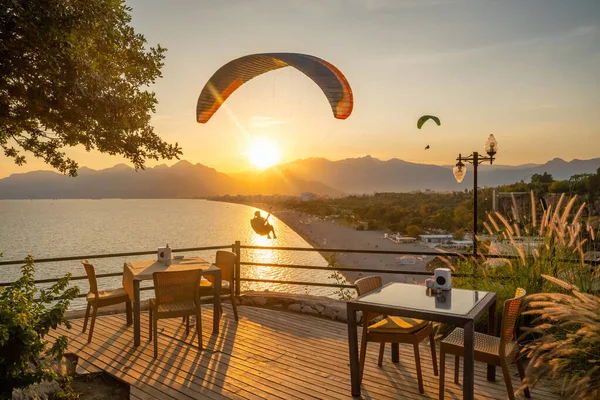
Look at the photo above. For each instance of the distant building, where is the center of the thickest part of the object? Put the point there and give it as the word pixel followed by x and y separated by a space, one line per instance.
pixel 405 239
pixel 436 238
pixel 307 196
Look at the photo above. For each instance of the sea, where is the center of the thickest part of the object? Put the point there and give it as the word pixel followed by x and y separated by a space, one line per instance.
pixel 86 227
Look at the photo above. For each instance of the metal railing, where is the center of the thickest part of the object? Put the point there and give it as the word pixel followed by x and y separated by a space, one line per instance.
pixel 237 248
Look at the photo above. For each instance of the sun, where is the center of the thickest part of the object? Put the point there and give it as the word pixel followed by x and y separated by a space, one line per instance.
pixel 263 153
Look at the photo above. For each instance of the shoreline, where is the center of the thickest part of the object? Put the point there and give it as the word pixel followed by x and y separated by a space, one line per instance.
pixel 319 233
pixel 322 234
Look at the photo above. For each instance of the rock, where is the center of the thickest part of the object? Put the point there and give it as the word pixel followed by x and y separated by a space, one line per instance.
pixel 330 312
pixel 247 301
pixel 320 308
pixel 295 307
pixel 342 316
pixel 309 310
pixel 259 301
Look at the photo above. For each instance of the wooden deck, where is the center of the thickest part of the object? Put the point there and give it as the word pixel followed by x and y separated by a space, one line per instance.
pixel 267 355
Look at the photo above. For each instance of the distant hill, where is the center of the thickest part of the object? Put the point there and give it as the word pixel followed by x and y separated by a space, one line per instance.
pixel 368 174
pixel 558 168
pixel 317 175
pixel 182 180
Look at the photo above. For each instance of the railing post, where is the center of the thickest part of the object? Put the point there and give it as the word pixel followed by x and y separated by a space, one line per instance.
pixel 238 257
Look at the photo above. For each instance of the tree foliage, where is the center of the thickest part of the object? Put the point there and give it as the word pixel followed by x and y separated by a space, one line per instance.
pixel 76 73
pixel 26 316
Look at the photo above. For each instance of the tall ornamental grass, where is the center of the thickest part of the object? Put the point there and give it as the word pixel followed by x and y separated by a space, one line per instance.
pixel 567 323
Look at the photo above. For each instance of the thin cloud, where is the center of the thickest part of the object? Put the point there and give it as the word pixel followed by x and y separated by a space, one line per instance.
pixel 265 121
pixel 445 56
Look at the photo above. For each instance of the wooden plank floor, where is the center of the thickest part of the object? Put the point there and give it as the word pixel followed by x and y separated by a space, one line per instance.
pixel 267 355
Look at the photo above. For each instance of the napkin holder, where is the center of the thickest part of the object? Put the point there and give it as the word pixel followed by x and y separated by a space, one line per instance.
pixel 164 255
pixel 442 278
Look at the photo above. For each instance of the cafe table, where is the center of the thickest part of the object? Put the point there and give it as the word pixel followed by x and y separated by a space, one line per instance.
pixel 458 307
pixel 135 272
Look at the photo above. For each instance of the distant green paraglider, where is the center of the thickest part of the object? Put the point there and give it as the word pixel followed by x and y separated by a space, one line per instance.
pixel 426 118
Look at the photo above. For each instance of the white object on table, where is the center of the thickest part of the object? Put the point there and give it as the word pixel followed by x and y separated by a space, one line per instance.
pixel 443 278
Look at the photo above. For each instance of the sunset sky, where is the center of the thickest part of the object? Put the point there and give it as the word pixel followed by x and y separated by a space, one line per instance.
pixel 526 71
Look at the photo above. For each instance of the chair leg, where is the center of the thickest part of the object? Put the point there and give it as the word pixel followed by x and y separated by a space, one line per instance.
pixel 433 356
pixel 363 353
pixel 233 301
pixel 87 316
pixel 94 312
pixel 506 373
pixel 418 365
pixel 155 328
pixel 150 324
pixel 456 368
pixel 522 376
pixel 128 311
pixel 187 325
pixel 442 372
pixel 199 328
pixel 381 350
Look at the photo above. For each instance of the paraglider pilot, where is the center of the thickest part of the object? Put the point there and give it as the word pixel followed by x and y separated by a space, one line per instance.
pixel 261 226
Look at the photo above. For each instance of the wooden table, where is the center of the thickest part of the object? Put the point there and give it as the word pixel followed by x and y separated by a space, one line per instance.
pixel 136 271
pixel 458 307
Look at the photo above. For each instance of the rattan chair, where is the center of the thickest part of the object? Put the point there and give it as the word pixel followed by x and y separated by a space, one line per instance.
pixel 176 296
pixel 225 260
pixel 501 351
pixel 393 330
pixel 102 298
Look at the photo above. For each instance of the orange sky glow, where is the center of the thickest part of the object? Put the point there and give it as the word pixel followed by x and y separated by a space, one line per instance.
pixel 525 71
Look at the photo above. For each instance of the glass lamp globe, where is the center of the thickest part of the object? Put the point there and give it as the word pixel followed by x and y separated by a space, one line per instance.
pixel 491 146
pixel 459 172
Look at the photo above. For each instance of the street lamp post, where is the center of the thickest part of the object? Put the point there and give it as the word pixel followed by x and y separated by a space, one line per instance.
pixel 459 171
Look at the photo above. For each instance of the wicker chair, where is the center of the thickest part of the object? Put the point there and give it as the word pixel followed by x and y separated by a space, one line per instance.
pixel 501 351
pixel 102 298
pixel 225 260
pixel 393 330
pixel 176 296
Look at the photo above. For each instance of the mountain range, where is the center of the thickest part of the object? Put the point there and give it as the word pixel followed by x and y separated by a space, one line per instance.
pixel 317 175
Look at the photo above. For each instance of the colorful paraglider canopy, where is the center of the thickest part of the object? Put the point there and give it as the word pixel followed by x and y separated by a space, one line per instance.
pixel 239 71
pixel 426 118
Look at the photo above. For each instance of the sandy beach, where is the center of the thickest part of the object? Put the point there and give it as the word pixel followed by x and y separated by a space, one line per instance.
pixel 327 234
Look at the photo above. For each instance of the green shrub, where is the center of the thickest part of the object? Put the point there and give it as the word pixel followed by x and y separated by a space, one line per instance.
pixel 372 225
pixel 25 320
pixel 339 279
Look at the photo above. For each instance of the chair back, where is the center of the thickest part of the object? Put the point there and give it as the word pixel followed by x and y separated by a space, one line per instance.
pixel 225 260
pixel 368 284
pixel 510 314
pixel 91 274
pixel 176 286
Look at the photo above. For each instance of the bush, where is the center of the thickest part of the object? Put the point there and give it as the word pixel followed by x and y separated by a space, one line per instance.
pixel 413 231
pixel 25 320
pixel 459 234
pixel 372 225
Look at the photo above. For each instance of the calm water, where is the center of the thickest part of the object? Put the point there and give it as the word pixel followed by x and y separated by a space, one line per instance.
pixel 59 228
